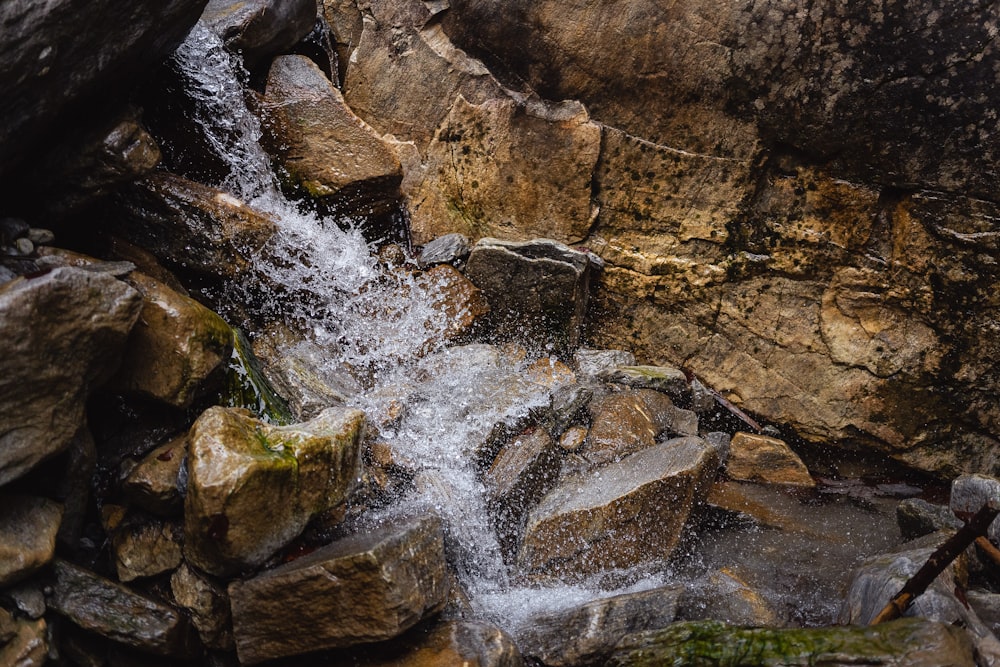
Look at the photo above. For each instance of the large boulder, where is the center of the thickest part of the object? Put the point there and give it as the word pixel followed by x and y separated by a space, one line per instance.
pixel 64 333
pixel 253 487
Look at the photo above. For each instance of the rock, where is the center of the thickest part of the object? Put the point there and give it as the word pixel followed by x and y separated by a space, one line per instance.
pixel 573 438
pixel 567 405
pixel 670 381
pixel 64 332
pixel 253 487
pixel 56 55
pixel 588 634
pixel 23 643
pixel 722 443
pixel 723 596
pixel 467 643
pixel 175 349
pixel 110 610
pixel 747 501
pixel 146 548
pixel 626 422
pixel 760 458
pixel 537 290
pixel 154 484
pixel 260 28
pixel 917 518
pixel 75 488
pixel 591 363
pixel 28 527
pixel 912 642
pixel 27 599
pixel 601 520
pixel 451 249
pixel 369 587
pixel 987 607
pixel 208 604
pixel 970 493
pixel 454 298
pixel 323 145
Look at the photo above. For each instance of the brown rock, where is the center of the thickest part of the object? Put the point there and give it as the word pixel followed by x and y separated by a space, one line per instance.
pixel 208 604
pixel 759 458
pixel 724 596
pixel 146 548
pixel 28 527
pixel 23 643
pixel 574 438
pixel 262 27
pixel 154 483
pixel 455 298
pixel 253 487
pixel 623 514
pixel 626 422
pixel 365 588
pixel 466 643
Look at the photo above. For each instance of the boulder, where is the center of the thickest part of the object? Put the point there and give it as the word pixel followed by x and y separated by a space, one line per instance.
pixel 626 513
pixel 154 483
pixel 591 363
pixel 176 348
pixel 909 641
pixel 253 487
pixel 28 527
pixel 537 290
pixel 970 493
pixel 23 642
pixel 452 298
pixel 207 602
pixel 369 587
pixel 587 634
pixel 260 28
pixel 112 611
pixel 64 332
pixel 628 421
pixel 760 458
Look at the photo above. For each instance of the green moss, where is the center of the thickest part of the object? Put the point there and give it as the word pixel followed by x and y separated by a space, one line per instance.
pixel 246 387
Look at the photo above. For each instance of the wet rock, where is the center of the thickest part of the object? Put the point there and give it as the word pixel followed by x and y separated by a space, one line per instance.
pixel 208 604
pixel 722 443
pixel 253 487
pixel 603 519
pixel 23 643
pixel 588 634
pixel 629 421
pixel 471 643
pixel 911 642
pixel 154 484
pixel 28 527
pixel 175 349
pixel 262 27
pixel 574 438
pixel 365 588
pixel 323 145
pixel 591 363
pixel 146 548
pixel 27 599
pixel 453 297
pixel 451 249
pixel 751 502
pixel 537 290
pixel 670 381
pixel 64 332
pixel 760 458
pixel 987 607
pixel 723 596
pixel 917 518
pixel 567 405
pixel 110 610
pixel 970 493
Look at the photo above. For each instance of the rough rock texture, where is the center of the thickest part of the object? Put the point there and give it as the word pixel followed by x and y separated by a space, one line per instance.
pixel 723 596
pixel 154 483
pixel 262 27
pixel 466 643
pixel 208 604
pixel 57 53
pixel 453 297
pixel 253 487
pixel 23 643
pixel 146 548
pixel 611 522
pixel 587 634
pixel 63 334
pixel 28 527
pixel 365 588
pixel 759 458
pixel 626 422
pixel 176 346
pixel 916 518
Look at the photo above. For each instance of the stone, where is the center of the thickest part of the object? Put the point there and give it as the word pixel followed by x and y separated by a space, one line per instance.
pixel 369 587
pixel 591 363
pixel 568 405
pixel 27 599
pixel 746 500
pixel 537 290
pixel 467 643
pixel 910 641
pixel 112 611
pixel 260 28
pixel 760 458
pixel 669 380
pixel 573 438
pixel 176 348
pixel 208 604
pixel 987 607
pixel 324 147
pixel 603 519
pixel 588 634
pixel 23 643
pixel 451 249
pixel 454 298
pixel 626 422
pixel 723 596
pixel 154 484
pixel 64 332
pixel 28 527
pixel 253 487
pixel 917 518
pixel 146 548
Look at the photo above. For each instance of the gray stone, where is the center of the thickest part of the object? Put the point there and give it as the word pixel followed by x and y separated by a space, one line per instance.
pixel 917 518
pixel 970 493
pixel 723 596
pixel 64 333
pixel 591 363
pixel 28 527
pixel 27 599
pixel 260 28
pixel 365 588
pixel 451 248
pixel 671 381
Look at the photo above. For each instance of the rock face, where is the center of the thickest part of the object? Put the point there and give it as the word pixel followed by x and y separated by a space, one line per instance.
pixel 253 487
pixel 365 588
pixel 610 522
pixel 28 529
pixel 64 333
pixel 759 458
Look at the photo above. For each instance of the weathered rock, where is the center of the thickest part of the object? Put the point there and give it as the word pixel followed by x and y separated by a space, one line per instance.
pixel 175 349
pixel 567 406
pixel 573 438
pixel 669 380
pixel 28 527
pixel 146 548
pixel 987 607
pixel 27 599
pixel 745 500
pixel 723 596
pixel 262 27
pixel 626 422
pixel 154 483
pixel 760 458
pixel 588 634
pixel 471 643
pixel 208 605
pixel 451 249
pixel 605 519
pixel 910 642
pixel 917 518
pixel 537 290
pixel 591 363
pixel 57 54
pixel 23 643
pixel 253 487
pixel 63 332
pixel 454 298
pixel 365 588
pixel 319 140
pixel 110 610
